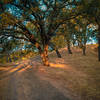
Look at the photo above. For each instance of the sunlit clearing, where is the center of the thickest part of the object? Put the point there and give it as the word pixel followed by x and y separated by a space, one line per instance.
pixel 57 65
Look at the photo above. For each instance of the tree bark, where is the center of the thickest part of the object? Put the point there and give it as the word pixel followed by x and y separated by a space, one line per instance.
pixel 84 46
pixel 97 21
pixel 54 48
pixel 44 56
pixel 99 44
pixel 58 53
pixel 68 46
pixel 84 50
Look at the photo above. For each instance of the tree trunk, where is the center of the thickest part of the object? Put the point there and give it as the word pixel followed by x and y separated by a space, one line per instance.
pixel 99 44
pixel 84 50
pixel 54 48
pixel 68 46
pixel 97 21
pixel 58 53
pixel 44 56
pixel 84 46
pixel 78 44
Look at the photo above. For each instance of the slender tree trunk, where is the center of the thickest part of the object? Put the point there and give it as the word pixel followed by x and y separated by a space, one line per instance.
pixel 97 21
pixel 99 44
pixel 84 50
pixel 84 46
pixel 78 44
pixel 58 53
pixel 7 58
pixel 68 46
pixel 54 48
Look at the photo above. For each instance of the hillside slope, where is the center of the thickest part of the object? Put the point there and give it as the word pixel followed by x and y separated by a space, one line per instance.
pixel 75 73
pixel 76 76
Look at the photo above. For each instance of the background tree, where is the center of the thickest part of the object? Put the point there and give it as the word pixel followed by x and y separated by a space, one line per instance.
pixel 82 35
pixel 92 10
pixel 66 32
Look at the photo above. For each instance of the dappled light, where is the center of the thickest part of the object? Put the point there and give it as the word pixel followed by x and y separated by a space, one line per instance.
pixel 28 66
pixel 64 73
pixel 49 44
pixel 18 67
pixel 4 68
pixel 58 65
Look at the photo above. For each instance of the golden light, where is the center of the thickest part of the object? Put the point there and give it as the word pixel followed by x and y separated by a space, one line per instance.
pixel 4 68
pixel 29 66
pixel 57 65
pixel 16 68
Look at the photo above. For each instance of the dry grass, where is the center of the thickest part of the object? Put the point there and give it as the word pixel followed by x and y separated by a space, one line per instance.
pixel 76 73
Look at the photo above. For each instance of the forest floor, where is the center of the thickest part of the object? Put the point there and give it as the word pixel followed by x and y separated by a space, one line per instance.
pixel 72 77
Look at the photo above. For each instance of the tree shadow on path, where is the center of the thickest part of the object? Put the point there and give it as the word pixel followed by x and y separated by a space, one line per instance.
pixel 26 85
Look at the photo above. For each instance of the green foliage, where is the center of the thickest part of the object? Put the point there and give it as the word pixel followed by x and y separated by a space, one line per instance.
pixel 59 41
pixel 16 56
pixel 38 21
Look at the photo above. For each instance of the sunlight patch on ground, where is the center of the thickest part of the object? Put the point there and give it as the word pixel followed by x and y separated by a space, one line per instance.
pixel 29 66
pixel 18 67
pixel 4 68
pixel 57 65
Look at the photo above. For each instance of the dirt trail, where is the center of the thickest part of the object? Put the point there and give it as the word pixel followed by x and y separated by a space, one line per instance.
pixel 21 82
pixel 72 77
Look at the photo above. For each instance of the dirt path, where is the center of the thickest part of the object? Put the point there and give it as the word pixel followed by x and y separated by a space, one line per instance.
pixel 21 82
pixel 72 76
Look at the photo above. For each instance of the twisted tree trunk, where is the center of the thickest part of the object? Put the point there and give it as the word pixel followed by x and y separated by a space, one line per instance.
pixel 44 56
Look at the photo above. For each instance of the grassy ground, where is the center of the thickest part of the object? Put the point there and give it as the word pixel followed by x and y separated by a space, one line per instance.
pixel 76 73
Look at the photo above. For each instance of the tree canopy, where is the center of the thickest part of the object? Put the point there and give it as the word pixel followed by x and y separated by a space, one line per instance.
pixel 37 21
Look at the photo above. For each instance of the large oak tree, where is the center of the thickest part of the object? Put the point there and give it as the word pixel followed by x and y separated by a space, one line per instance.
pixel 45 16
